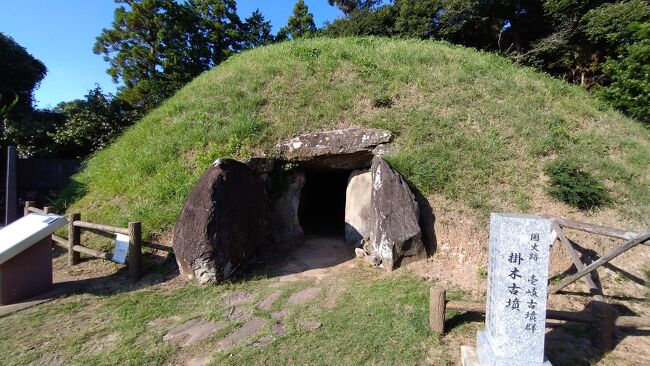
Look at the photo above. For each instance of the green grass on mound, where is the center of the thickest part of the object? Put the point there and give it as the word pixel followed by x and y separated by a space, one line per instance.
pixel 469 125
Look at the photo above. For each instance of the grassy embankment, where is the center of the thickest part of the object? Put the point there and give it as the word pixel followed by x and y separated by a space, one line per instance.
pixel 470 126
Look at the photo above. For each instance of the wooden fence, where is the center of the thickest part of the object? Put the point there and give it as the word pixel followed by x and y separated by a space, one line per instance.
pixel 602 316
pixel 73 242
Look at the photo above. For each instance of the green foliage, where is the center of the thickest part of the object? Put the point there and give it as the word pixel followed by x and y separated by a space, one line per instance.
pixel 156 46
pixel 572 185
pixel 628 75
pixel 20 74
pixel 257 31
pixel 380 22
pixel 300 24
pixel 350 6
pixel 382 102
pixel 629 90
pixel 31 134
pixel 616 24
pixel 90 124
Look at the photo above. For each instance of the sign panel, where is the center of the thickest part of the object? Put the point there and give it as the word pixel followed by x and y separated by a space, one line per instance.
pixel 121 248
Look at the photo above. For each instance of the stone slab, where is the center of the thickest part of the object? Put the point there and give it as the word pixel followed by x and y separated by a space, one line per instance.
pixel 262 341
pixel 193 331
pixel 250 328
pixel 357 207
pixel 238 313
pixel 303 296
pixel 519 248
pixel 268 301
pixel 280 315
pixel 279 329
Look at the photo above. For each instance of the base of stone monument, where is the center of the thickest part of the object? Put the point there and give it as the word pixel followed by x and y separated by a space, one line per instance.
pixel 487 358
pixel 468 356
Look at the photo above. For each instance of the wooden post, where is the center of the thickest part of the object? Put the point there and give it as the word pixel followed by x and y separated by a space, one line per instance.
pixel 602 260
pixel 135 250
pixel 437 310
pixel 593 289
pixel 28 204
pixel 74 238
pixel 604 323
pixel 11 189
pixel 48 209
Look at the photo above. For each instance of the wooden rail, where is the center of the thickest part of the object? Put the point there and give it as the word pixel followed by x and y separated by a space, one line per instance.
pixel 73 242
pixel 133 231
pixel 602 317
pixel 595 229
pixel 601 261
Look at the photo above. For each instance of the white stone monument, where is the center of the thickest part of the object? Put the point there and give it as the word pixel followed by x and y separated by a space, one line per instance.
pixel 515 320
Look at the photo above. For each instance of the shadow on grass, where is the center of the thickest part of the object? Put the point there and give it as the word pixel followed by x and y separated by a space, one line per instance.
pixel 154 269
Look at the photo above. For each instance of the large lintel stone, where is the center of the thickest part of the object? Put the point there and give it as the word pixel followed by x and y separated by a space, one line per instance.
pixel 348 148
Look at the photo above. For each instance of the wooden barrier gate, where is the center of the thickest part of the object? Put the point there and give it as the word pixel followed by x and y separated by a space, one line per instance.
pixel 73 242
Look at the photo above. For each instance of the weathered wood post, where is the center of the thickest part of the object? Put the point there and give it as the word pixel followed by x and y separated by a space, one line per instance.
pixel 28 204
pixel 604 323
pixel 49 209
pixel 11 190
pixel 437 310
pixel 135 250
pixel 74 238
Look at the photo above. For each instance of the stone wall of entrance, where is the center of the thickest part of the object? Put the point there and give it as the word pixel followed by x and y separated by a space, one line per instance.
pixel 225 218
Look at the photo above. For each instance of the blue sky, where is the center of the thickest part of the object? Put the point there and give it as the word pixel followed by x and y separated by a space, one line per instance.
pixel 61 34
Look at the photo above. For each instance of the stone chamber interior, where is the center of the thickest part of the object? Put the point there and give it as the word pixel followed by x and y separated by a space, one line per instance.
pixel 322 202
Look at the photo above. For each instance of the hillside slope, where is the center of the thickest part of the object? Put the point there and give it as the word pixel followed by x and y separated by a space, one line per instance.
pixel 471 127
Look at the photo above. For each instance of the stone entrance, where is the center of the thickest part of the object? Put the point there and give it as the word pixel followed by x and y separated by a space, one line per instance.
pixel 322 202
pixel 328 184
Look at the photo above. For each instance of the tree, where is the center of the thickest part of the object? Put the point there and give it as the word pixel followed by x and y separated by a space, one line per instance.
pixel 628 75
pixel 349 6
pixel 257 31
pixel 21 74
pixel 300 24
pixel 379 22
pixel 156 46
pixel 91 123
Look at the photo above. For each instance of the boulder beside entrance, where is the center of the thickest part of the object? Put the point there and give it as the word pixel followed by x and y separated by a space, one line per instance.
pixel 223 222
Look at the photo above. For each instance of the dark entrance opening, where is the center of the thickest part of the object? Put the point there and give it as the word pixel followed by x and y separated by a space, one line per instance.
pixel 322 202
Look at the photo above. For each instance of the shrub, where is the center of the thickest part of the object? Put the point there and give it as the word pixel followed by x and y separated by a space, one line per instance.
pixel 572 185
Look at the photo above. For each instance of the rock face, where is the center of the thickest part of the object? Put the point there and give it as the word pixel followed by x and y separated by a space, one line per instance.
pixel 357 207
pixel 285 223
pixel 395 235
pixel 223 222
pixel 349 148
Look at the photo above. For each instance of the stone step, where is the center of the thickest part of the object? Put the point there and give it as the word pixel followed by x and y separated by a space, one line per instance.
pixel 303 296
pixel 250 328
pixel 193 331
pixel 268 301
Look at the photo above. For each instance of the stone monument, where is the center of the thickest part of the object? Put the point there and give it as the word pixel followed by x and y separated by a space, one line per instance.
pixel 515 319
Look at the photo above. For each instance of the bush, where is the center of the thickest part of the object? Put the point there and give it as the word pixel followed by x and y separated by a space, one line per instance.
pixel 572 185
pixel 629 90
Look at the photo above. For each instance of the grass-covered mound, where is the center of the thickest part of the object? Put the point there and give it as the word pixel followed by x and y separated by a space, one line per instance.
pixel 469 125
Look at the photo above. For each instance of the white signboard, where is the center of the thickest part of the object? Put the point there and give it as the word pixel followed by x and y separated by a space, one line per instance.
pixel 27 231
pixel 121 248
